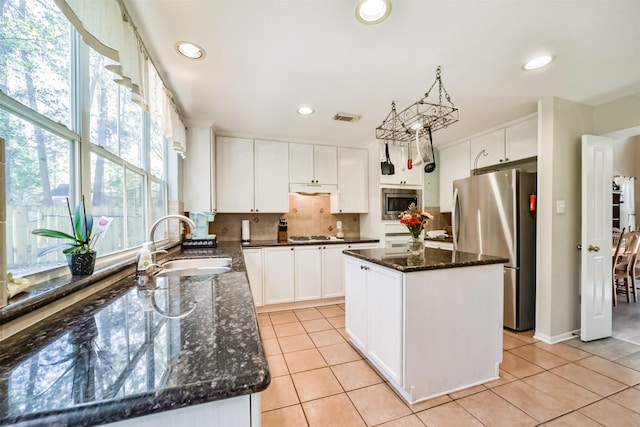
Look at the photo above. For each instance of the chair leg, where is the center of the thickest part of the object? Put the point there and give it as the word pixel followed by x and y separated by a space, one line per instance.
pixel 615 293
pixel 633 288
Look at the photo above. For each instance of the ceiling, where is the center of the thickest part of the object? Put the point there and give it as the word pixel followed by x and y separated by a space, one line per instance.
pixel 265 58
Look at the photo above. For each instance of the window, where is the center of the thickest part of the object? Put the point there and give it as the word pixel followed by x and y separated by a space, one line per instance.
pixel 38 179
pixel 35 64
pixel 40 56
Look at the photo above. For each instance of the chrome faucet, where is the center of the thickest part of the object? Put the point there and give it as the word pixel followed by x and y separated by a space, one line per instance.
pixel 153 242
pixel 164 218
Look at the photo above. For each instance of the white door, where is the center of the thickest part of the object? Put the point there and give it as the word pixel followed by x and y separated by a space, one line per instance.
pixel 595 259
pixel 271 176
pixel 279 275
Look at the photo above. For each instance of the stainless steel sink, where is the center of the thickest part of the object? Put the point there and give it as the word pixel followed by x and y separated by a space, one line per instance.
pixel 194 267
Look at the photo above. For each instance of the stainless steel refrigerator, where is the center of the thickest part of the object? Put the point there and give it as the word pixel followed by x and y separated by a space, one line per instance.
pixel 492 216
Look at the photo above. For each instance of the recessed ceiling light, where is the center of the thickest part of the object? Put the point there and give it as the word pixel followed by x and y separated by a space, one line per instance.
pixel 373 11
pixel 190 50
pixel 305 111
pixel 538 62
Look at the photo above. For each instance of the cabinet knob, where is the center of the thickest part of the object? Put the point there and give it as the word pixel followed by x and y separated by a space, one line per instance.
pixel 291 248
pixel 506 159
pixel 500 160
pixel 256 210
pixel 250 210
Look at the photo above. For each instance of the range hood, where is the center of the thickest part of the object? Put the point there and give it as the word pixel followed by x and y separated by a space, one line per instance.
pixel 313 188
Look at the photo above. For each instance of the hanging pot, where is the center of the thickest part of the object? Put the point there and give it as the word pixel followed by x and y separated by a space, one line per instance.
pixel 386 166
pixel 431 165
pixel 81 264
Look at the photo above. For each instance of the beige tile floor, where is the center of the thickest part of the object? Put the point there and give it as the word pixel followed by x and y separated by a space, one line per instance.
pixel 318 379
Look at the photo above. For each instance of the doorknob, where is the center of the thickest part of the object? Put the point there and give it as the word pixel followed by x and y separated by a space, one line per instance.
pixel 579 247
pixel 594 248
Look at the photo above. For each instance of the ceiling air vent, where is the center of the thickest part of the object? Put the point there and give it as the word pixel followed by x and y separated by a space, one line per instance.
pixel 344 117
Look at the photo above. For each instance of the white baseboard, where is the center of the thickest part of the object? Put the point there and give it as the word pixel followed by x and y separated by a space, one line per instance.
pixel 557 338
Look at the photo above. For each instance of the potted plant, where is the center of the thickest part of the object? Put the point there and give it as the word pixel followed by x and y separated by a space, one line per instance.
pixel 81 257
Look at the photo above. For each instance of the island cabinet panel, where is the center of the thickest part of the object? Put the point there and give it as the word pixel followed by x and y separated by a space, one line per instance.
pixel 429 332
pixel 384 323
pixel 356 302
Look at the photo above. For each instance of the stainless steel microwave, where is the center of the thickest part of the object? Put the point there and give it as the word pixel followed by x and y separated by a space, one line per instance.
pixel 396 200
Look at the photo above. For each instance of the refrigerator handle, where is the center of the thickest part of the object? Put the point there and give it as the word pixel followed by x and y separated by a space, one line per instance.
pixel 455 221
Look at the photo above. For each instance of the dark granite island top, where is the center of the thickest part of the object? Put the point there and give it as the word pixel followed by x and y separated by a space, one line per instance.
pixel 430 259
pixel 132 350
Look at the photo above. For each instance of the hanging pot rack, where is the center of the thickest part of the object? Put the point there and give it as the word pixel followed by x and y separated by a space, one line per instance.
pixel 401 127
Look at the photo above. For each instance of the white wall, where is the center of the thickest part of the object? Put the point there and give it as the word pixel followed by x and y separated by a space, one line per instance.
pixel 561 126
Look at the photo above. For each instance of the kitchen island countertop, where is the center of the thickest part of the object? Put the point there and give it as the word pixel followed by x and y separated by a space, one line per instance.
pixel 430 259
pixel 131 350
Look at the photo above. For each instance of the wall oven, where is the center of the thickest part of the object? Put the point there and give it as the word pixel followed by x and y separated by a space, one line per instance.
pixel 396 200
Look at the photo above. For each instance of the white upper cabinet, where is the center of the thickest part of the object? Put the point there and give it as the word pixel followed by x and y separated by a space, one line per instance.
pixel 403 176
pixel 353 182
pixel 251 176
pixel 234 175
pixel 313 164
pixel 454 164
pixel 199 194
pixel 513 142
pixel 493 146
pixel 521 140
pixel 271 176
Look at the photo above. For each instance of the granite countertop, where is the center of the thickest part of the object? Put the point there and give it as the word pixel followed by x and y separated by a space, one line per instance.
pixel 133 350
pixel 447 239
pixel 430 259
pixel 274 242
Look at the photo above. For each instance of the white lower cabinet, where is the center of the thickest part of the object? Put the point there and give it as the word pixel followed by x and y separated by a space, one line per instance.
pixel 308 268
pixel 241 411
pixel 279 275
pixel 333 271
pixel 374 314
pixel 253 263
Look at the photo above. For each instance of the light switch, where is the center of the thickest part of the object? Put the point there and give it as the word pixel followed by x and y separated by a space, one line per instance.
pixel 561 206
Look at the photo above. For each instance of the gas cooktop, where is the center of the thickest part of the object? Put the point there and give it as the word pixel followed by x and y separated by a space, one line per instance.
pixel 312 239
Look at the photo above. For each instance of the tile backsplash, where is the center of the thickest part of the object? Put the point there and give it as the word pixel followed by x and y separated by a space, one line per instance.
pixel 308 215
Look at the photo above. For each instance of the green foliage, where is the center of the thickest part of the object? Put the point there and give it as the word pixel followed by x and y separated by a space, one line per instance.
pixel 82 224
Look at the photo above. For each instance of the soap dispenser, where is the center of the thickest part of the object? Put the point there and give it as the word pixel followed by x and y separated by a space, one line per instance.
pixel 144 257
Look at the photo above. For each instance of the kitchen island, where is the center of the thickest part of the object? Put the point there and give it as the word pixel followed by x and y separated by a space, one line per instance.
pixel 169 351
pixel 431 323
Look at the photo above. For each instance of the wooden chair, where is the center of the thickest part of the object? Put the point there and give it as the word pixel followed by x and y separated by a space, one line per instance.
pixel 624 266
pixel 616 235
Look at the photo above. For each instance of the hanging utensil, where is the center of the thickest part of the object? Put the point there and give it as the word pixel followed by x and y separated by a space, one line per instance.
pixel 402 162
pixel 386 166
pixel 409 160
pixel 419 158
pixel 430 166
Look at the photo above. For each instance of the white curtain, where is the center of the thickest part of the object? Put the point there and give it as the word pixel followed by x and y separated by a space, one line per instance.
pixel 105 26
pixel 628 205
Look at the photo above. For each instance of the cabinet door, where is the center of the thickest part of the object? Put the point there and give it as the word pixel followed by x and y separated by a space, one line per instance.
pixel 355 296
pixel 333 271
pixel 279 275
pixel 271 176
pixel 413 176
pixel 522 140
pixel 493 145
pixel 353 182
pixel 454 162
pixel 301 164
pixel 197 171
pixel 384 339
pixel 234 175
pixel 326 164
pixel 308 268
pixel 253 262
